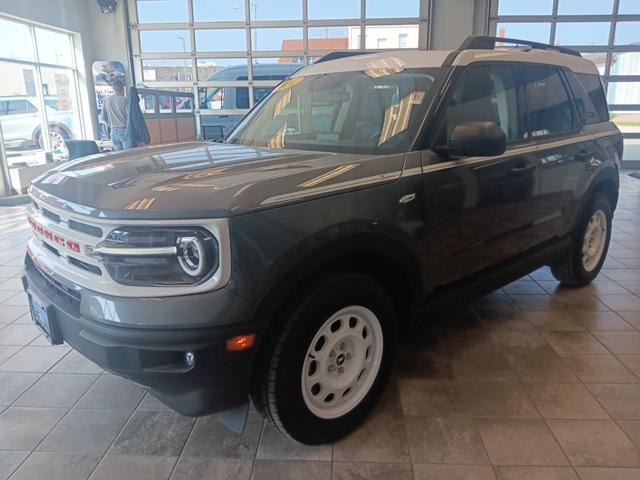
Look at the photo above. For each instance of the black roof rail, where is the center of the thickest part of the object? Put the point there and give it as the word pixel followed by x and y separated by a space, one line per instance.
pixel 340 54
pixel 481 42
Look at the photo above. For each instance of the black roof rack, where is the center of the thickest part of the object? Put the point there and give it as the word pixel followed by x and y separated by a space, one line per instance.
pixel 340 54
pixel 481 42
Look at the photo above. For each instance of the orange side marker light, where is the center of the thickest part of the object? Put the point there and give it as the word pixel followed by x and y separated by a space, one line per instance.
pixel 241 342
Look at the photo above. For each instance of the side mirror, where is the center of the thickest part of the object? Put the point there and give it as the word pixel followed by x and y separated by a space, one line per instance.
pixel 477 139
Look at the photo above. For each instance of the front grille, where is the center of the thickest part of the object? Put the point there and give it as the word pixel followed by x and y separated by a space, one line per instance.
pixel 85 266
pixel 51 249
pixel 84 228
pixel 51 215
pixel 64 297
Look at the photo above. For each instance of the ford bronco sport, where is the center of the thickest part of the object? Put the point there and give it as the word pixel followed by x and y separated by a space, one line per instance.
pixel 278 265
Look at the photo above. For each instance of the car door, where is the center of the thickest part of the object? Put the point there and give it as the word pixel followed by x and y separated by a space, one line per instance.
pixel 22 120
pixel 567 154
pixel 478 210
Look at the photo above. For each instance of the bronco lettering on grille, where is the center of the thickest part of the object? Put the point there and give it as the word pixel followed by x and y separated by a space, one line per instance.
pixel 53 237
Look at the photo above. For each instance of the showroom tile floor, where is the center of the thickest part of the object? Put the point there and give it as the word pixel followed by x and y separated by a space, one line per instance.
pixel 530 382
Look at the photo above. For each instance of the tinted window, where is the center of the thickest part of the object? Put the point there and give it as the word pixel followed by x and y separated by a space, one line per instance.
pixel 549 108
pixel 593 86
pixel 484 94
pixel 19 106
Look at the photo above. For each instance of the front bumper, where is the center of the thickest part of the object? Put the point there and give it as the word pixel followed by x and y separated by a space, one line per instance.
pixel 189 369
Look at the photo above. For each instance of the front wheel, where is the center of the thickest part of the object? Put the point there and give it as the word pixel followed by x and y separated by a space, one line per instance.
pixel 589 245
pixel 325 369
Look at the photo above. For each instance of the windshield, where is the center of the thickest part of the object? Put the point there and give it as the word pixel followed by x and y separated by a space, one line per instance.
pixel 369 112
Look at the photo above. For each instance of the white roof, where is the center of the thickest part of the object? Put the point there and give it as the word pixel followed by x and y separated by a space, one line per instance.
pixel 435 58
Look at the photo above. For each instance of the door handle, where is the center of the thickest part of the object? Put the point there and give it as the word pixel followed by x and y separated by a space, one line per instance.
pixel 522 170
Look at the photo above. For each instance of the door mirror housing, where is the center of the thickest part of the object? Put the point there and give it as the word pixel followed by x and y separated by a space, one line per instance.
pixel 476 139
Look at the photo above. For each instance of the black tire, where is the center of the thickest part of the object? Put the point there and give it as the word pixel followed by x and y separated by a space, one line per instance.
pixel 277 386
pixel 570 270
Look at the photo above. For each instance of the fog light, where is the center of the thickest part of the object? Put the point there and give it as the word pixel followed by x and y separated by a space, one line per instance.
pixel 240 343
pixel 190 359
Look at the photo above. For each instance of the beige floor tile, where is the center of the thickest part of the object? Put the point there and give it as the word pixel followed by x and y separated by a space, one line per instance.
pixel 609 473
pixel 620 342
pixel 632 318
pixel 595 443
pixel 536 473
pixel 521 342
pixel 541 368
pixel 601 321
pixel 554 321
pixel 372 471
pixel 565 401
pixel 600 369
pixel 620 401
pixel 453 472
pixel 445 440
pixel 520 442
pixel 622 302
pixel 382 438
pixel 632 362
pixel 632 429
pixel 571 343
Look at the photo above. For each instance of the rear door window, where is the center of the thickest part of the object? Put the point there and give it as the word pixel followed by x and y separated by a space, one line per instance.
pixel 549 108
pixel 596 106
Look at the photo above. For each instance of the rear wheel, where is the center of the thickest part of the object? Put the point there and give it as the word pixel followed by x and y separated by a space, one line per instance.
pixel 589 246
pixel 325 369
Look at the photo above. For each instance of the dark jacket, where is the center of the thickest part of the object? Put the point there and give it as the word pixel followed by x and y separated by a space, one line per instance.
pixel 137 132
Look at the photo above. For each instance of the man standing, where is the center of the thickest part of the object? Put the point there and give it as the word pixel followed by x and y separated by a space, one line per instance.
pixel 114 115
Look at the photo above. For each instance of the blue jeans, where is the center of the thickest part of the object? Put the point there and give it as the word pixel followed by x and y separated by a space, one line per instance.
pixel 119 139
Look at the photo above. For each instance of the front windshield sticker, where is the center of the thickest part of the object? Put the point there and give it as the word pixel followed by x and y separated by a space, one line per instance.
pixel 396 117
pixel 383 67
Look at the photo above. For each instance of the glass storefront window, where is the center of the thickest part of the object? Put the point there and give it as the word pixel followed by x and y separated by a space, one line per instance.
pixel 54 47
pixel 209 67
pixel 537 32
pixel 391 36
pixel 277 39
pixel 396 9
pixel 625 63
pixel 627 33
pixel 221 40
pixel 582 33
pixel 275 10
pixel 63 113
pixel 580 7
pixel 207 11
pixel 623 93
pixel 163 11
pixel 169 70
pixel 20 47
pixel 333 38
pixel 629 7
pixel 518 7
pixel 165 41
pixel 333 9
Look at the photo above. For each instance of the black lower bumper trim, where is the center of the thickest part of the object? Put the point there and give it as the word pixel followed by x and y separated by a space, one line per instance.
pixel 188 369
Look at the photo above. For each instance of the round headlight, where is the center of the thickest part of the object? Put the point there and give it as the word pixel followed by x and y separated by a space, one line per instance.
pixel 191 255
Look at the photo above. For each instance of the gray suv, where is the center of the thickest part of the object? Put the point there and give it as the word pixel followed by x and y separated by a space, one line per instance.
pixel 280 265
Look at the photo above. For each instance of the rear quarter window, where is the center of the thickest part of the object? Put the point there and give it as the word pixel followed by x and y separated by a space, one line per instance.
pixel 595 102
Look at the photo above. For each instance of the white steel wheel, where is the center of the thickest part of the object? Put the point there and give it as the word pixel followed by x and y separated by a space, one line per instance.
pixel 594 240
pixel 342 362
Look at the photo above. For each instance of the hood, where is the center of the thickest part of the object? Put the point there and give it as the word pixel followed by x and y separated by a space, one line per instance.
pixel 205 180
